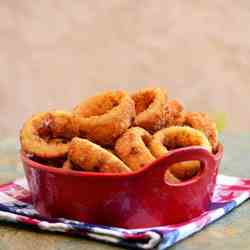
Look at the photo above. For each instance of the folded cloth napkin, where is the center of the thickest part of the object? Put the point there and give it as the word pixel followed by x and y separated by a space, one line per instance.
pixel 16 206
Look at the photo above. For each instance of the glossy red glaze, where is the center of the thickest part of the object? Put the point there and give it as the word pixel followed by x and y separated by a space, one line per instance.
pixel 134 200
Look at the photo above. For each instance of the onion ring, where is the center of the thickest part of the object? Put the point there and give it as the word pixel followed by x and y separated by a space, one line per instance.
pixel 176 137
pixel 149 107
pixel 47 134
pixel 174 115
pixel 185 170
pixel 68 165
pixel 105 117
pixel 131 148
pixel 171 178
pixel 92 157
pixel 202 122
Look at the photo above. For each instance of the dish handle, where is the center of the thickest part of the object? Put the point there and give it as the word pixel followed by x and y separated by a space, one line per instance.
pixel 157 169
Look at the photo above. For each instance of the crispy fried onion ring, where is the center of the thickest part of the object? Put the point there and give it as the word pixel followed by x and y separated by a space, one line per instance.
pixel 92 157
pixel 185 170
pixel 202 122
pixel 176 137
pixel 170 178
pixel 131 148
pixel 174 115
pixel 104 117
pixel 149 107
pixel 68 165
pixel 47 134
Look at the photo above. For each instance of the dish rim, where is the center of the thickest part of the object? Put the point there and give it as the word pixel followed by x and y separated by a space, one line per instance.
pixel 59 171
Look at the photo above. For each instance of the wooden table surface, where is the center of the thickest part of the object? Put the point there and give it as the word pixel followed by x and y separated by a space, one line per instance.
pixel 231 232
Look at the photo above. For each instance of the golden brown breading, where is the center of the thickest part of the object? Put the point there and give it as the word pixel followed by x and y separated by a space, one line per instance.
pixel 171 178
pixel 185 170
pixel 174 115
pixel 131 148
pixel 47 134
pixel 202 122
pixel 149 107
pixel 68 165
pixel 92 157
pixel 175 137
pixel 104 117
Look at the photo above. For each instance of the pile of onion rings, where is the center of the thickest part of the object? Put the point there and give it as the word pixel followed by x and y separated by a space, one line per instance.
pixel 115 132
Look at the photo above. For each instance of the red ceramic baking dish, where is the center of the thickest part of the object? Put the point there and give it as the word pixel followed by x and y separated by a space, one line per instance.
pixel 135 200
